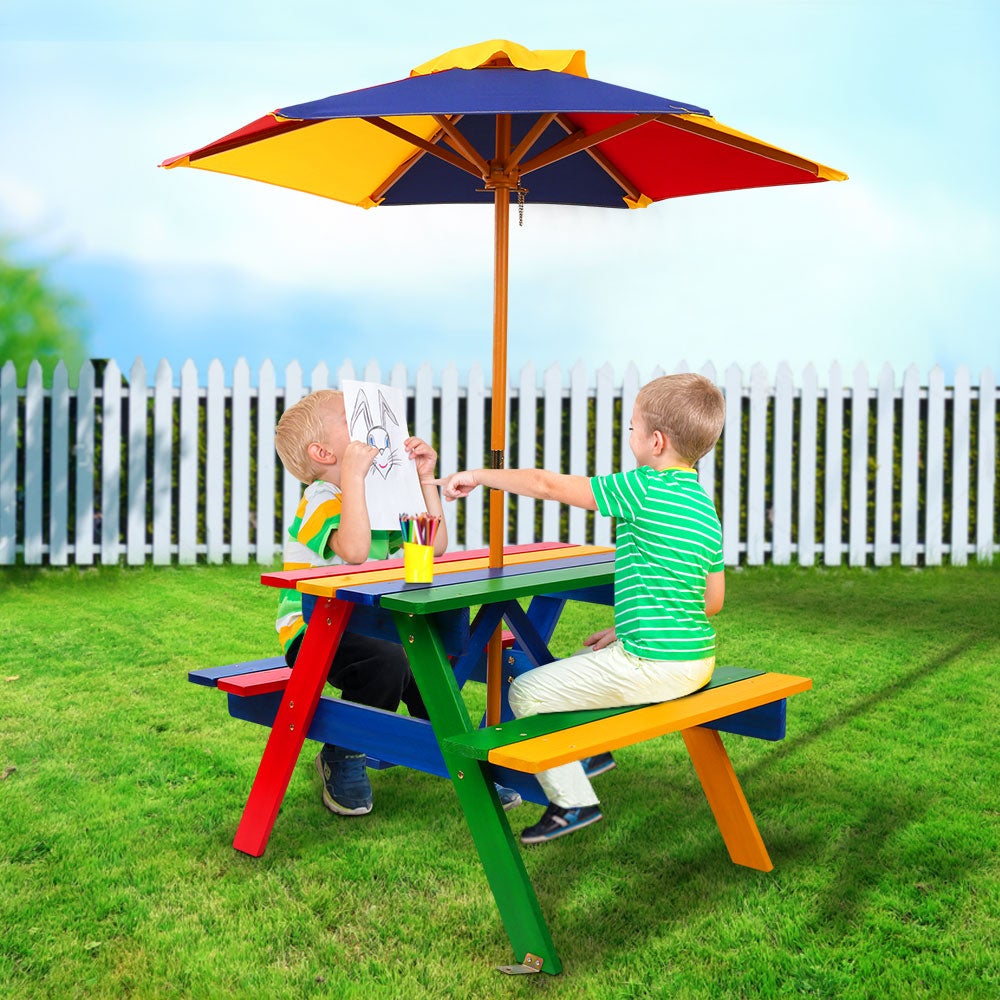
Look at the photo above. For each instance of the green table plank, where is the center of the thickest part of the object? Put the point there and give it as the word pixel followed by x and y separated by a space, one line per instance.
pixel 445 597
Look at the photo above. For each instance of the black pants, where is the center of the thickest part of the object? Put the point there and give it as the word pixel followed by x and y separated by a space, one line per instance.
pixel 372 672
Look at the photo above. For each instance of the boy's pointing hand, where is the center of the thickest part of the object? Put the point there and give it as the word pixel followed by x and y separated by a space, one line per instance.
pixel 458 486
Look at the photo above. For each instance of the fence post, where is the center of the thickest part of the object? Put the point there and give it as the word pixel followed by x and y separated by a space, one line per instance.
pixel 985 477
pixel 857 520
pixel 86 408
pixel 135 540
pixel 630 389
pixel 58 448
pixel 781 477
pixel 909 487
pixel 423 410
pixel 756 466
pixel 885 428
pixel 934 466
pixel 706 466
pixel 239 465
pixel 34 452
pixel 267 532
pixel 475 429
pixel 163 463
pixel 215 459
pixel 808 440
pixel 833 470
pixel 527 439
pixel 188 463
pixel 111 459
pixel 960 468
pixel 553 447
pixel 8 463
pixel 731 464
pixel 578 404
pixel 291 488
pixel 604 430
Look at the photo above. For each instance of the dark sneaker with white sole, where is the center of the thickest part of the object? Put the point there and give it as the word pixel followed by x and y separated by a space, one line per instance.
pixel 556 822
pixel 598 764
pixel 346 788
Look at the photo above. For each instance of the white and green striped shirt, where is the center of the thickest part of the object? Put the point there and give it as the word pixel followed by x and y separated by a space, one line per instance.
pixel 317 517
pixel 668 538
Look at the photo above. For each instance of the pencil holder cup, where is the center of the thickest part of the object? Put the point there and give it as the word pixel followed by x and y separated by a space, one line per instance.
pixel 418 563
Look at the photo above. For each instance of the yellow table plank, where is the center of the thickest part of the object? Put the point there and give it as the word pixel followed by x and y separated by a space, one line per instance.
pixel 327 586
pixel 543 752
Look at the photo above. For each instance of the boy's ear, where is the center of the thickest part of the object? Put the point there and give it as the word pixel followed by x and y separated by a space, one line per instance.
pixel 320 455
pixel 660 442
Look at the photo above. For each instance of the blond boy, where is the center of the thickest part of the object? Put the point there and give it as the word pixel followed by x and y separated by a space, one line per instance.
pixel 668 578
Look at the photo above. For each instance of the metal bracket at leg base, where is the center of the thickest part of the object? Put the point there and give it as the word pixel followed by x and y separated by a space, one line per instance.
pixel 531 963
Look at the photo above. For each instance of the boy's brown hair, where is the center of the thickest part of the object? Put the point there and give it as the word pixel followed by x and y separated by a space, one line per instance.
pixel 689 409
pixel 301 425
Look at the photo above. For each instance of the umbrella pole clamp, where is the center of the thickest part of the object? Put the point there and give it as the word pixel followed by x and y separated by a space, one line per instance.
pixel 496 459
pixel 500 177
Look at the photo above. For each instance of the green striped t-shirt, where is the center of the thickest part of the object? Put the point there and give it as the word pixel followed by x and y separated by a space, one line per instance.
pixel 668 538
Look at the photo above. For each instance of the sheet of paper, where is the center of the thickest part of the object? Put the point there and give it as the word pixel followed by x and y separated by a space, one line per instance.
pixel 377 414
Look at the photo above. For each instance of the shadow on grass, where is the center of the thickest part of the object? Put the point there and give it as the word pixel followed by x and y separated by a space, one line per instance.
pixel 858 708
pixel 666 872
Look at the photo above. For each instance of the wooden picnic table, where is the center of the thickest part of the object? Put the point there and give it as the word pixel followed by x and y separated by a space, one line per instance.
pixel 446 646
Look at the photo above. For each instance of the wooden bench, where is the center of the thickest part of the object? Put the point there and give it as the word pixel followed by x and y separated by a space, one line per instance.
pixel 735 700
pixel 255 687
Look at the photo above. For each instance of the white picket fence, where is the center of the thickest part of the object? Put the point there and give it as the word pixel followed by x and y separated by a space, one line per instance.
pixel 164 472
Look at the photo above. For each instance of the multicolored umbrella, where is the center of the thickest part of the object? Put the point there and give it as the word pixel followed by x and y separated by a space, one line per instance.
pixel 498 123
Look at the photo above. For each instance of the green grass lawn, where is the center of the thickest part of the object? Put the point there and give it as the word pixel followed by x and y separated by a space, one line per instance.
pixel 122 785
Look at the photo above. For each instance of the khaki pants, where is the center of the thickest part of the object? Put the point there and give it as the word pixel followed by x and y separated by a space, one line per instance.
pixel 602 678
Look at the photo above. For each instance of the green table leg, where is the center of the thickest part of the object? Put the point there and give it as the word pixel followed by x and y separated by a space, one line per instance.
pixel 501 858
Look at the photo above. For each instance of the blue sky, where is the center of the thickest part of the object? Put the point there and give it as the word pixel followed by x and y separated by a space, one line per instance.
pixel 899 264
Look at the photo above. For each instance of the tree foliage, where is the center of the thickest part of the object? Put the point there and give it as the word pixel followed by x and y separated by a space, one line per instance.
pixel 38 320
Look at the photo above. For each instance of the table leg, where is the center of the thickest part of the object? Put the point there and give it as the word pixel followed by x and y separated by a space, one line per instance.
pixel 298 706
pixel 501 859
pixel 726 798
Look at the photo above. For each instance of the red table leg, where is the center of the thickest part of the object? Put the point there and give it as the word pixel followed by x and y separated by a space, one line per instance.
pixel 295 714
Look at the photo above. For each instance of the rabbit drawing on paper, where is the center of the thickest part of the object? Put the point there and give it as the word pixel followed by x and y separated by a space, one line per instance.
pixel 377 434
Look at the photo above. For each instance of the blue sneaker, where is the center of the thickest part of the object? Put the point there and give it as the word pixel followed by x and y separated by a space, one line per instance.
pixel 346 788
pixel 598 764
pixel 556 822
pixel 509 799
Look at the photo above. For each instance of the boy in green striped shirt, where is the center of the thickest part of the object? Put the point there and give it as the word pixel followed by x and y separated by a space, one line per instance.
pixel 668 578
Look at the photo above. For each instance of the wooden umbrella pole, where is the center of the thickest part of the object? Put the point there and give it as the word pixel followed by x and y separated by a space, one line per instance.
pixel 501 183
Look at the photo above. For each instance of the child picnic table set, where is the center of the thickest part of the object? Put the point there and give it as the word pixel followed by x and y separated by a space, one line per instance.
pixel 446 644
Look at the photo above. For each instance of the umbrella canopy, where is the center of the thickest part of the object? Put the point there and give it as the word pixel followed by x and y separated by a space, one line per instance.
pixel 492 123
pixel 431 139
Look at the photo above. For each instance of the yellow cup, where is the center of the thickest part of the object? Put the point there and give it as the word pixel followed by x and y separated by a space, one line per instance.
pixel 418 563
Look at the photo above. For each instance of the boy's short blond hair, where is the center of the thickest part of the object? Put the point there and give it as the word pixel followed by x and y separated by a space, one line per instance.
pixel 302 424
pixel 689 409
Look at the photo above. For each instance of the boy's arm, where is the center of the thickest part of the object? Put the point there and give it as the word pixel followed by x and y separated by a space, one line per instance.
pixel 352 540
pixel 433 501
pixel 537 483
pixel 425 458
pixel 715 592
